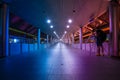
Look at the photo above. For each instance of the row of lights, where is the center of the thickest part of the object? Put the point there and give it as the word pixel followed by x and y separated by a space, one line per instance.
pixel 56 34
pixel 68 26
pixel 51 26
pixel 49 21
pixel 69 21
pixel 64 34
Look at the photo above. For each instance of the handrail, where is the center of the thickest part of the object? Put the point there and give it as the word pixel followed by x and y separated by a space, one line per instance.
pixel 12 29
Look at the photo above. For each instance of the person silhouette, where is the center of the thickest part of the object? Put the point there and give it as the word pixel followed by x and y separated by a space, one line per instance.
pixel 100 37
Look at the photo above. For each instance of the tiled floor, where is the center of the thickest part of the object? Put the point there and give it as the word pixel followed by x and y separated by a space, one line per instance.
pixel 59 62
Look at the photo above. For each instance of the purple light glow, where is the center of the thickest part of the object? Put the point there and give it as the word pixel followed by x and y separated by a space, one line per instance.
pixel 68 26
pixel 15 19
pixel 70 21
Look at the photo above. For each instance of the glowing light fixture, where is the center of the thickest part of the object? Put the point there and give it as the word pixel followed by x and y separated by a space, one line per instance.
pixel 48 21
pixel 54 32
pixel 65 32
pixel 68 26
pixel 70 21
pixel 15 40
pixel 60 39
pixel 51 26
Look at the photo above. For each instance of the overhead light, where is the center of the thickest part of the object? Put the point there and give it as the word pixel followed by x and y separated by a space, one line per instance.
pixel 60 39
pixel 65 32
pixel 70 21
pixel 68 26
pixel 48 21
pixel 63 36
pixel 54 32
pixel 51 26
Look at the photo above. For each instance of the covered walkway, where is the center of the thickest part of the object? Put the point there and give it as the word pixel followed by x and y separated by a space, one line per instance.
pixel 59 62
pixel 56 40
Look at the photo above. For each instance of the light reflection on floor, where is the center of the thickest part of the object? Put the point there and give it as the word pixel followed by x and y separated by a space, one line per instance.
pixel 59 62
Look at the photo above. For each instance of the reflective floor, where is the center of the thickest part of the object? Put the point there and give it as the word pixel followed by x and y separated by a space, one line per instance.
pixel 59 62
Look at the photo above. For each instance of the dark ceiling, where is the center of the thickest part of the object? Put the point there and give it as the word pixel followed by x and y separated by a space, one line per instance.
pixel 36 12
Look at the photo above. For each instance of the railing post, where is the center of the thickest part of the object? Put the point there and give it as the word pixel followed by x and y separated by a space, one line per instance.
pixel 80 38
pixel 38 39
pixel 114 14
pixel 4 29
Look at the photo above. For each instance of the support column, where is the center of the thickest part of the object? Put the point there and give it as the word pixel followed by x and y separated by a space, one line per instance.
pixel 38 39
pixel 47 39
pixel 114 28
pixel 4 29
pixel 80 38
pixel 68 40
pixel 51 39
pixel 72 38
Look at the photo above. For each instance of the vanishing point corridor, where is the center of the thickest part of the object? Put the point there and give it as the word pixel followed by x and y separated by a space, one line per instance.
pixel 59 39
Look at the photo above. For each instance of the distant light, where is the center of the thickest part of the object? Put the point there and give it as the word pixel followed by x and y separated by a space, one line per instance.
pixel 51 26
pixel 60 39
pixel 48 21
pixel 54 32
pixel 65 32
pixel 68 26
pixel 15 40
pixel 69 21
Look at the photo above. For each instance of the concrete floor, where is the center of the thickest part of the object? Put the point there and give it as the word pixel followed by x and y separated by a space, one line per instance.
pixel 59 62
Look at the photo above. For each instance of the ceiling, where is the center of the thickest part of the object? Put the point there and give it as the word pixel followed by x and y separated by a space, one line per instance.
pixel 36 12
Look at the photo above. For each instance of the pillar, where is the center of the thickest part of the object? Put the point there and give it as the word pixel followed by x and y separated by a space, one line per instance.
pixel 38 39
pixel 80 38
pixel 68 40
pixel 114 28
pixel 4 29
pixel 51 39
pixel 72 38
pixel 47 39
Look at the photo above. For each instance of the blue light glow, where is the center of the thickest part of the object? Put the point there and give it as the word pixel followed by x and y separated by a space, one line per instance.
pixel 48 21
pixel 51 26
pixel 15 40
pixel 54 32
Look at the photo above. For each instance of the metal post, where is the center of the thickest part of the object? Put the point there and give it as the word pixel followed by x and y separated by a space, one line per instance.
pixel 4 13
pixel 114 27
pixel 47 39
pixel 38 39
pixel 80 38
pixel 73 39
